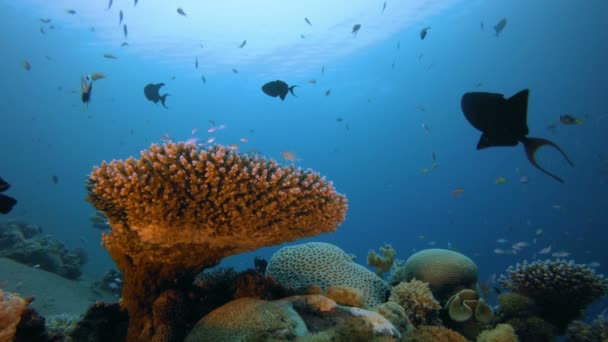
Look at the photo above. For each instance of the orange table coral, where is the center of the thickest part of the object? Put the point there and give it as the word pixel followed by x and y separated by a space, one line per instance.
pixel 179 209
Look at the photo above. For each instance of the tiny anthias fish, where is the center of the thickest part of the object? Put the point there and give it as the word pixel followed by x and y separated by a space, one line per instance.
pixel 504 122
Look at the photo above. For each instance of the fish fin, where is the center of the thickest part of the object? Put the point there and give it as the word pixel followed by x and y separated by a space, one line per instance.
pixel 163 98
pixel 291 90
pixel 518 108
pixel 531 145
pixel 282 96
pixel 489 141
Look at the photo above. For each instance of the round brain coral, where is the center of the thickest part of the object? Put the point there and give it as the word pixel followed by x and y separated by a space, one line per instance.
pixel 180 208
pixel 322 264
pixel 446 271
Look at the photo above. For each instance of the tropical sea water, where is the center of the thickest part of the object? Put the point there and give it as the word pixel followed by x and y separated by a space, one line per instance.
pixel 367 136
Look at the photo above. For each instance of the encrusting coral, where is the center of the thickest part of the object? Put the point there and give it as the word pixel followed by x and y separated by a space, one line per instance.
pixel 179 209
pixel 560 288
pixel 417 300
pixel 11 308
pixel 382 263
pixel 502 333
pixel 315 263
pixel 431 333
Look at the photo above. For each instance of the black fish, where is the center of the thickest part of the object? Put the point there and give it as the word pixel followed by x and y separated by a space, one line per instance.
pixel 120 17
pixel 243 44
pixel 383 7
pixel 260 264
pixel 55 179
pixel 278 88
pixel 424 32
pixel 6 202
pixel 203 79
pixel 124 30
pixel 307 21
pixel 180 11
pixel 87 87
pixel 135 3
pixel 109 5
pixel 356 28
pixel 500 26
pixel 4 185
pixel 152 93
pixel 504 122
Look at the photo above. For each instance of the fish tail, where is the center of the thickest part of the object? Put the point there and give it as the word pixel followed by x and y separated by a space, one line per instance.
pixel 531 145
pixel 163 98
pixel 291 90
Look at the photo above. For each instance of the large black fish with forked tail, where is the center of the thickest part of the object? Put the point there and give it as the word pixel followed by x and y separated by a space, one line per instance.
pixel 152 93
pixel 504 122
pixel 6 202
pixel 278 88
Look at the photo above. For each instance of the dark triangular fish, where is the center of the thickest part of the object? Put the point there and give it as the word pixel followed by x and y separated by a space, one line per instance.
pixel 424 32
pixel 152 93
pixel 504 122
pixel 500 26
pixel 278 88
pixel 6 202
pixel 4 185
pixel 356 28
pixel 180 11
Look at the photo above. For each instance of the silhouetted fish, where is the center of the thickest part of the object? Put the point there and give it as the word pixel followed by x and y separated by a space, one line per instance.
pixel 504 122
pixel 243 44
pixel 152 93
pixel 86 84
pixel 120 16
pixel 383 7
pixel 500 26
pixel 109 5
pixel 180 11
pixel 307 21
pixel 124 30
pixel 356 28
pixel 6 202
pixel 424 32
pixel 278 88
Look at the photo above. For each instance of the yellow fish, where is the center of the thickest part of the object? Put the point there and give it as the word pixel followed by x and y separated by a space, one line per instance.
pixel 500 180
pixel 458 192
pixel 97 75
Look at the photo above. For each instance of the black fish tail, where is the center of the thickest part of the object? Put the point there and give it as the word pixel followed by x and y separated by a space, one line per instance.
pixel 163 98
pixel 531 145
pixel 291 90
pixel 6 204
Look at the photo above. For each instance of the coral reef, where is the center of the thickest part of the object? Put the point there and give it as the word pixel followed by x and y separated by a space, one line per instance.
pixel 111 282
pixel 395 313
pixel 26 244
pixel 560 288
pixel 304 318
pixel 579 331
pixel 302 266
pixel 417 300
pixel 60 325
pixel 466 304
pixel 345 295
pixel 446 271
pixel 502 333
pixel 521 313
pixel 382 263
pixel 428 333
pixel 11 308
pixel 212 202
pixel 31 328
pixel 101 322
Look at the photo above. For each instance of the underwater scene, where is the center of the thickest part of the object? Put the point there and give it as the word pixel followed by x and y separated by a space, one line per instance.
pixel 364 170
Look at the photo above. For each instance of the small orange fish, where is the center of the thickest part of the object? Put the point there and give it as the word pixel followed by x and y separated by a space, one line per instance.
pixel 312 81
pixel 26 65
pixel 288 155
pixel 458 192
pixel 109 56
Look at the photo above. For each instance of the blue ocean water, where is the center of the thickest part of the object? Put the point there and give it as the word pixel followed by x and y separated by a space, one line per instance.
pixel 383 91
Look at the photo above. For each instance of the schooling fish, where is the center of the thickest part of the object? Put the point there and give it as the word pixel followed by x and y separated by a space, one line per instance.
pixel 356 29
pixel 124 30
pixel 151 91
pixel 504 122
pixel 180 11
pixel 383 7
pixel 278 88
pixel 120 17
pixel 500 26
pixel 135 3
pixel 243 44
pixel 307 21
pixel 109 5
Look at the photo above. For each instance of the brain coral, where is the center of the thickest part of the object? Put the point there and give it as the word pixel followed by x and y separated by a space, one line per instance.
pixel 181 208
pixel 562 289
pixel 446 271
pixel 325 265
